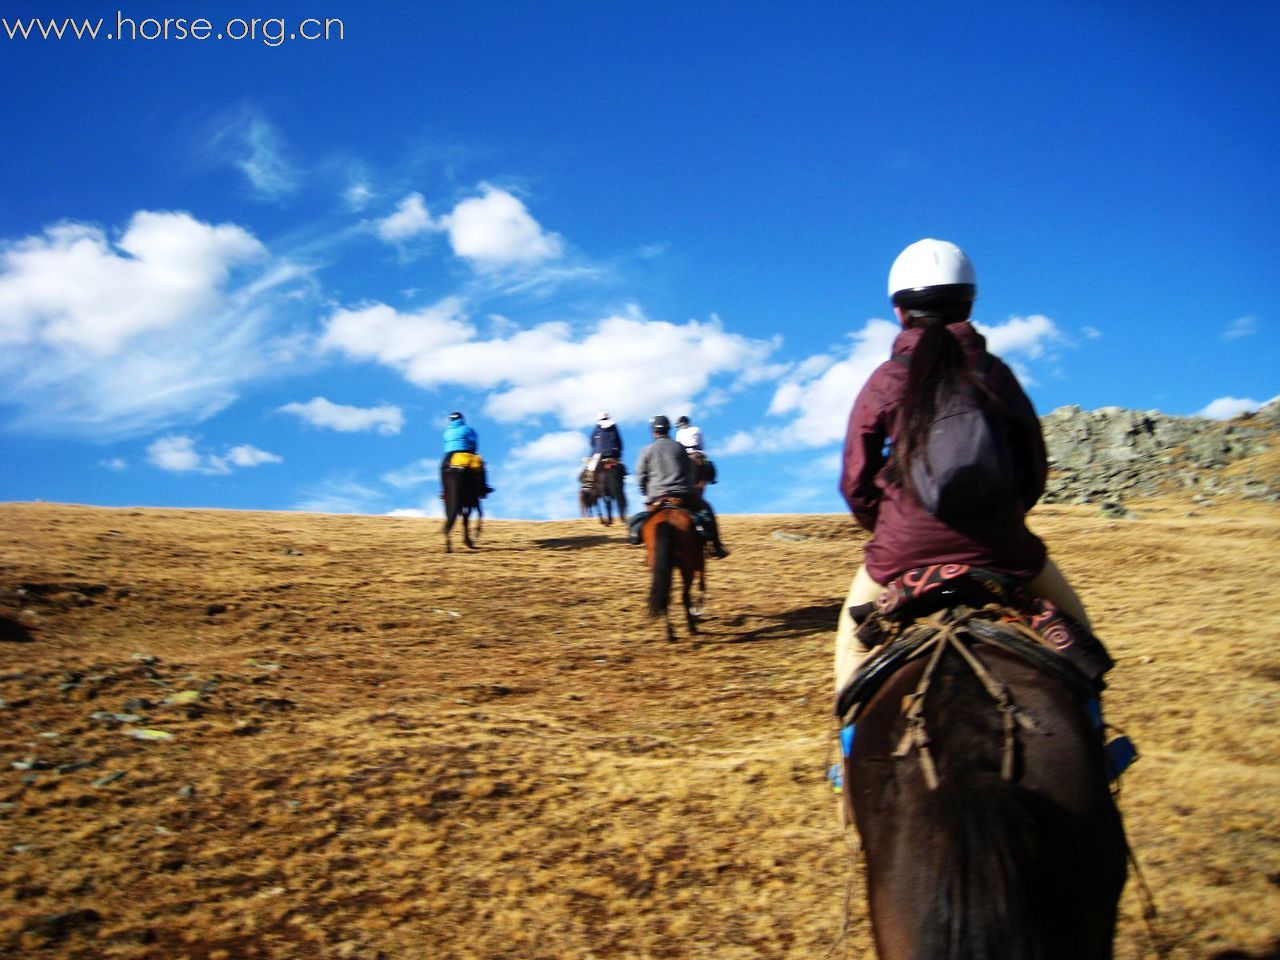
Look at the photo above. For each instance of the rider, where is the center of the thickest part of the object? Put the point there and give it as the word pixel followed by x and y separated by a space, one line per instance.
pixel 688 436
pixel 460 437
pixel 606 442
pixel 932 287
pixel 664 470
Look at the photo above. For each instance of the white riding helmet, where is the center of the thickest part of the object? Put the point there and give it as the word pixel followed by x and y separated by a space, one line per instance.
pixel 931 272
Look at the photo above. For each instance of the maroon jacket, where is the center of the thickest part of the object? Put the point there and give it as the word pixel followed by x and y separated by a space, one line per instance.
pixel 905 534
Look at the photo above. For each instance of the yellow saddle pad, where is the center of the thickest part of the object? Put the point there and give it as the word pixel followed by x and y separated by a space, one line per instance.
pixel 465 460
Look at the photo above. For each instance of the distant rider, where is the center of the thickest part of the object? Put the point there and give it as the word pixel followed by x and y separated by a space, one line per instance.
pixel 688 435
pixel 664 471
pixel 460 437
pixel 606 442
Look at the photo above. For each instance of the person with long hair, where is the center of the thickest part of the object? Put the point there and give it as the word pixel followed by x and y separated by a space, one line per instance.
pixel 932 288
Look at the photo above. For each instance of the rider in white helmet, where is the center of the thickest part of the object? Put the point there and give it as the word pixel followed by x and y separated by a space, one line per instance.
pixel 932 287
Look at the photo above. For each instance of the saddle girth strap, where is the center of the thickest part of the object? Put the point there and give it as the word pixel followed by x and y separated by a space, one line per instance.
pixel 918 737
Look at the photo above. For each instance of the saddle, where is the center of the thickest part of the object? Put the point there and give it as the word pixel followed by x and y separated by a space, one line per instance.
pixel 463 460
pixel 996 610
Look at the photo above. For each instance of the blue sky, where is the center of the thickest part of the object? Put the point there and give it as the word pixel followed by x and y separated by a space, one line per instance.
pixel 259 273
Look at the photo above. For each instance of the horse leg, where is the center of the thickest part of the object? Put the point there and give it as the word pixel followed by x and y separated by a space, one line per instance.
pixel 466 529
pixel 700 603
pixel 690 617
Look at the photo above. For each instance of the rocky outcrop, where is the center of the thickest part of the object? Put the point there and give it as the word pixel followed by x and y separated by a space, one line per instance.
pixel 1112 454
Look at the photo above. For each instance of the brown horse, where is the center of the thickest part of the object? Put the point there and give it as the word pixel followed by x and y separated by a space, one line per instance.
pixel 607 489
pixel 671 540
pixel 981 794
pixel 462 494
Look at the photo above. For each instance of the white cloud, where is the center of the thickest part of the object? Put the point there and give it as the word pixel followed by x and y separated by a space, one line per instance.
pixel 177 453
pixel 410 219
pixel 319 412
pixel 548 370
pixel 816 395
pixel 72 288
pixel 1021 337
pixel 566 446
pixel 1091 333
pixel 1241 327
pixel 115 463
pixel 495 230
pixel 250 456
pixel 114 337
pixel 379 332
pixel 1224 408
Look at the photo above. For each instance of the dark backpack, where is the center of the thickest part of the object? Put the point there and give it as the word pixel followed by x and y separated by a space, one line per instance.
pixel 967 466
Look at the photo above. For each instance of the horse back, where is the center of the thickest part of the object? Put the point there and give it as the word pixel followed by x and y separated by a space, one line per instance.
pixel 981 866
pixel 461 489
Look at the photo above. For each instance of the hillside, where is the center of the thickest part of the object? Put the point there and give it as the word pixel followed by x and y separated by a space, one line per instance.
pixel 252 735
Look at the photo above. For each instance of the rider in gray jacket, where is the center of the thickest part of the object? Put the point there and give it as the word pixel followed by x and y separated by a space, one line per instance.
pixel 665 470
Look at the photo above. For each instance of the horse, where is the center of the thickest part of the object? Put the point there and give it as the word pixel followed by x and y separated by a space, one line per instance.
pixel 978 783
pixel 607 490
pixel 462 494
pixel 672 540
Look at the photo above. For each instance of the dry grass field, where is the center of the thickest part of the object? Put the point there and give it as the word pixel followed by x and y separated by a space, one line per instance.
pixel 251 735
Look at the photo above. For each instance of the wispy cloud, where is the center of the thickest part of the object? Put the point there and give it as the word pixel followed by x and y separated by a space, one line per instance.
pixel 319 412
pixel 112 338
pixel 1245 326
pixel 253 145
pixel 341 495
pixel 177 453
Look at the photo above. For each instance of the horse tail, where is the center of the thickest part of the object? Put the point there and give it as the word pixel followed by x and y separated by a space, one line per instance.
pixel 664 549
pixel 1004 868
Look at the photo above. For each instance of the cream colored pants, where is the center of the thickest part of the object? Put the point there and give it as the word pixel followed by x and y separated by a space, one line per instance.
pixel 849 652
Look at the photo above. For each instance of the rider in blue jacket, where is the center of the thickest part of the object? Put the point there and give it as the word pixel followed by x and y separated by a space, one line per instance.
pixel 460 437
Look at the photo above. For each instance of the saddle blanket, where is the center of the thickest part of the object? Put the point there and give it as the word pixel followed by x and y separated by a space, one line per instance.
pixel 466 461
pixel 918 592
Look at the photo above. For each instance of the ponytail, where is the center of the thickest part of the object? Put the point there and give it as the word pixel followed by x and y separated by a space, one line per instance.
pixel 936 360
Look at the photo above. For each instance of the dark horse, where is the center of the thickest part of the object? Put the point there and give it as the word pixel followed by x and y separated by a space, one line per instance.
pixel 607 490
pixel 462 491
pixel 671 540
pixel 982 798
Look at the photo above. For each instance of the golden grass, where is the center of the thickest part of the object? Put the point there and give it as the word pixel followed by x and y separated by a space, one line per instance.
pixel 404 754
